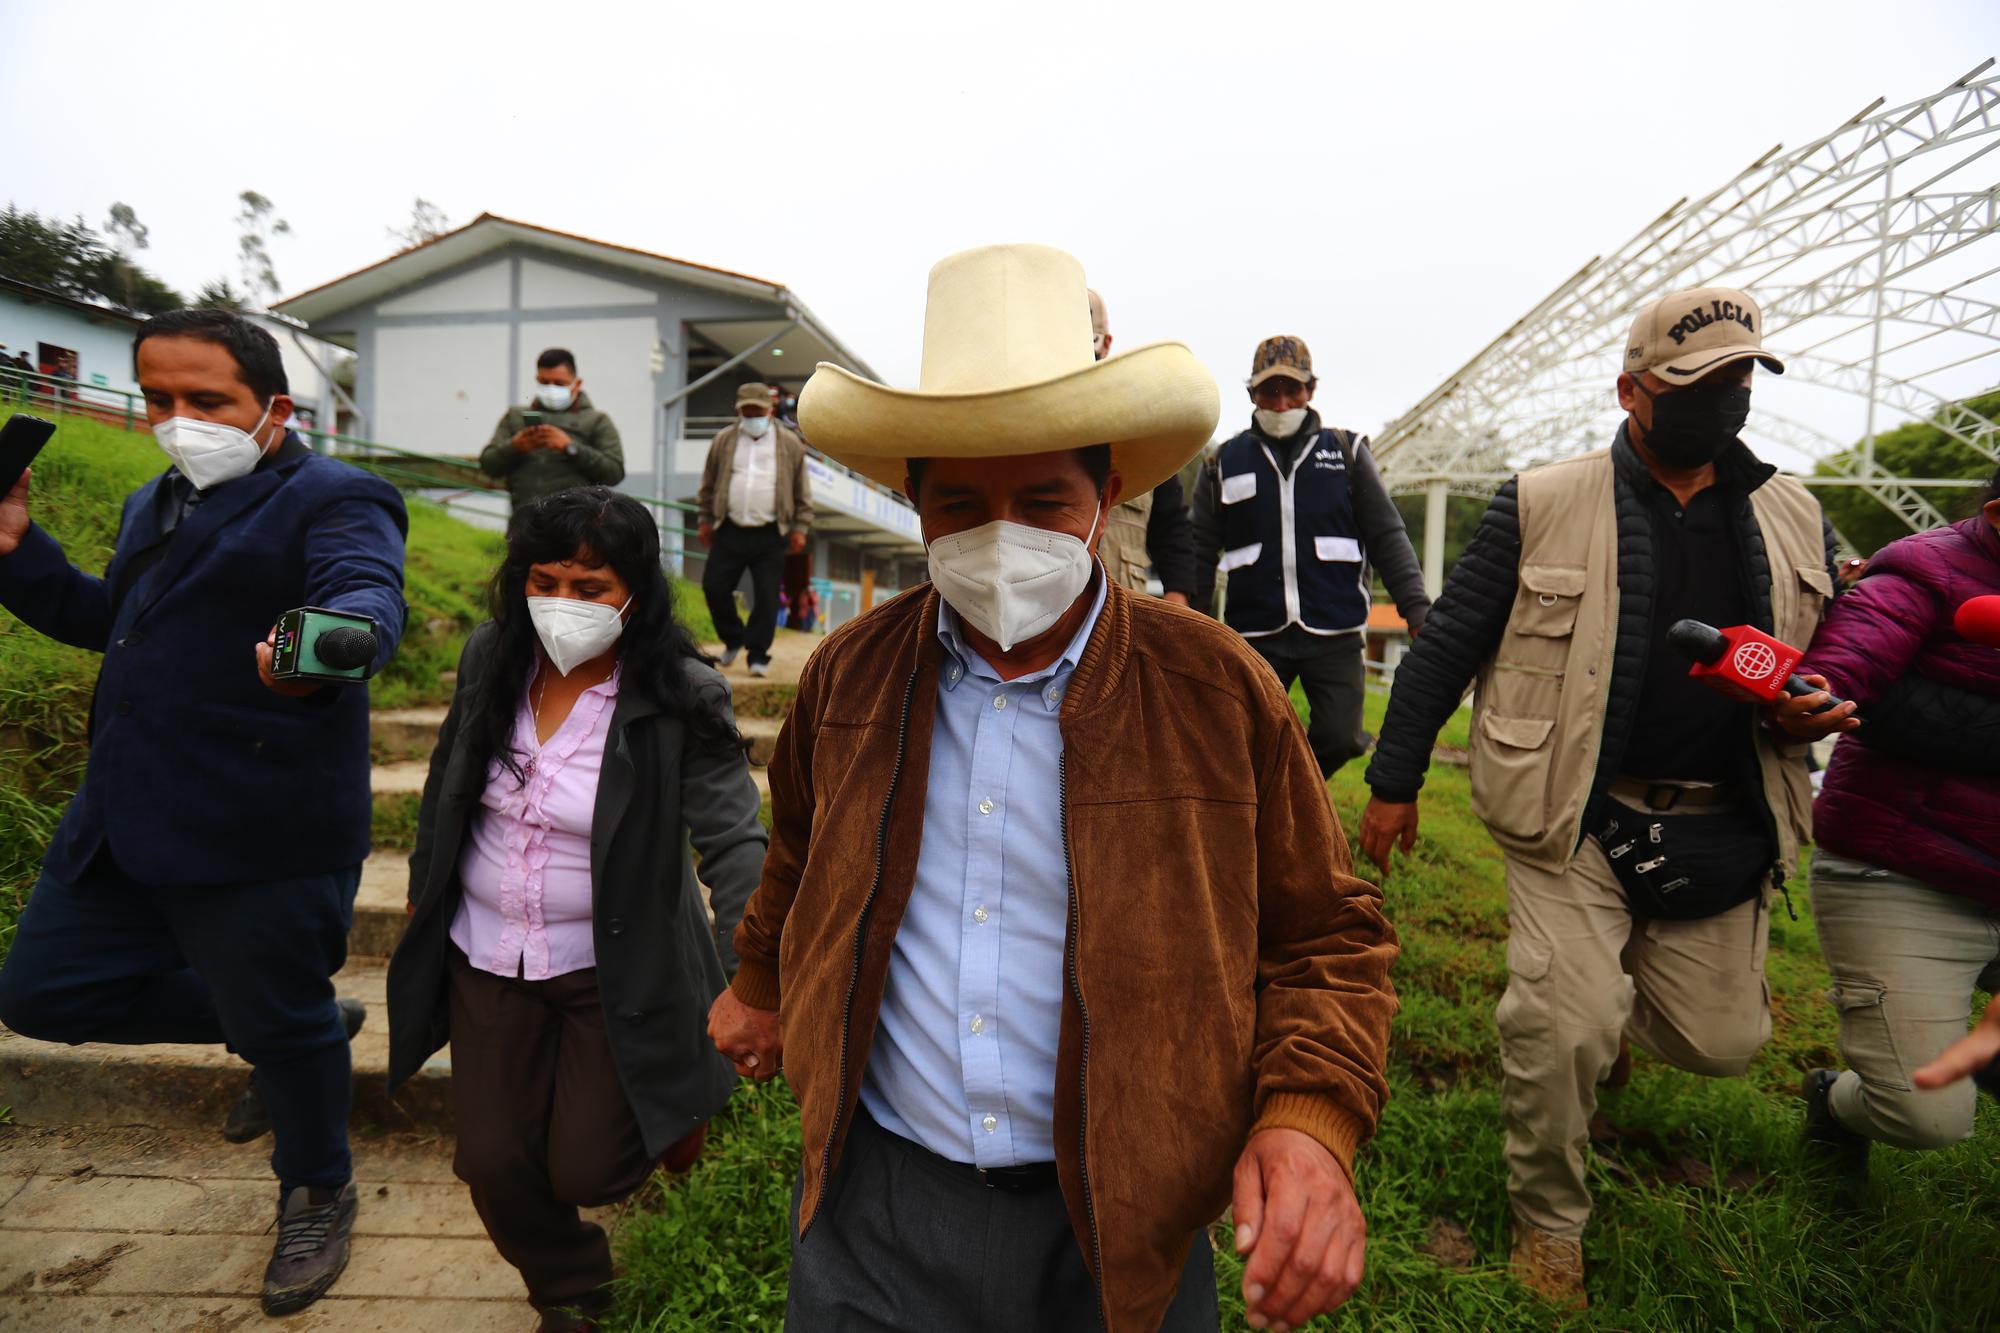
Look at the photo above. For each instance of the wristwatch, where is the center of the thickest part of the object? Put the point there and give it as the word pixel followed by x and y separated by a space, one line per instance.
pixel 570 448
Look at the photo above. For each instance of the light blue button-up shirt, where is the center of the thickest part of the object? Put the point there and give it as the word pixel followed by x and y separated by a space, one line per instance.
pixel 964 1060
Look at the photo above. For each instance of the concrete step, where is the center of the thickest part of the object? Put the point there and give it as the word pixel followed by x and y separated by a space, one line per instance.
pixel 399 779
pixel 405 733
pixel 762 733
pixel 380 903
pixel 149 1229
pixel 193 1087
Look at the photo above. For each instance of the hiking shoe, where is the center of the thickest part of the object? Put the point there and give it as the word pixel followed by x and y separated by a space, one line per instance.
pixel 247 1120
pixel 1827 1142
pixel 729 656
pixel 1549 1266
pixel 313 1227
pixel 760 668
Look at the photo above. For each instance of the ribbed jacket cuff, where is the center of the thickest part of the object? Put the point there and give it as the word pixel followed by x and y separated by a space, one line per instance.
pixel 756 984
pixel 1327 1122
pixel 1393 795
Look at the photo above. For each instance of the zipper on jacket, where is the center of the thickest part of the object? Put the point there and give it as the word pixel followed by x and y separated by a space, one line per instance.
pixel 860 933
pixel 1083 1065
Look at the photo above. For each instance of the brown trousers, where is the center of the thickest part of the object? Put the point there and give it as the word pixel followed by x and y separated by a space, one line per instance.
pixel 543 1125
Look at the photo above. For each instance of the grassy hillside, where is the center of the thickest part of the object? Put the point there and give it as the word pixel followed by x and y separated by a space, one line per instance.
pixel 1704 1220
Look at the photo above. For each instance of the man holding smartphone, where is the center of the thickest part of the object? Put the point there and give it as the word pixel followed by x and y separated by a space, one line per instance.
pixel 201 883
pixel 560 442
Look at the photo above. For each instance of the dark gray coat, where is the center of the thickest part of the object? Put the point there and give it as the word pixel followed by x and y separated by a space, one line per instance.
pixel 658 968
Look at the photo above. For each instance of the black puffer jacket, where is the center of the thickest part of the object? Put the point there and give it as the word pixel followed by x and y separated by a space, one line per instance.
pixel 1468 619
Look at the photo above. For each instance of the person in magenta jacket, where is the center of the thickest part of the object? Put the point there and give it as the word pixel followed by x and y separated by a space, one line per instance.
pixel 1906 879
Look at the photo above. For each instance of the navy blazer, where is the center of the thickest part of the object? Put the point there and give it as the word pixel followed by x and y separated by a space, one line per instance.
pixel 198 774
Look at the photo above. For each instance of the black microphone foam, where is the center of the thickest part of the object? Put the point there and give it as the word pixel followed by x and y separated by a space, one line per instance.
pixel 1697 642
pixel 345 648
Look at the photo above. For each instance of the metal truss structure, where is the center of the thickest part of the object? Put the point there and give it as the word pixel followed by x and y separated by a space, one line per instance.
pixel 1869 250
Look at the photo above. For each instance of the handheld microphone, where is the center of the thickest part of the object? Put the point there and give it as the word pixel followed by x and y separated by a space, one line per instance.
pixel 1742 662
pixel 315 644
pixel 1978 619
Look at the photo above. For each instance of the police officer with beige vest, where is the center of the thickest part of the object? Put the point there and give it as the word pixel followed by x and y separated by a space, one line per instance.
pixel 1148 533
pixel 1645 819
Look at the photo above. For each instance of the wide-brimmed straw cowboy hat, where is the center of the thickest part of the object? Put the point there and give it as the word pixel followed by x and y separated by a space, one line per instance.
pixel 1008 370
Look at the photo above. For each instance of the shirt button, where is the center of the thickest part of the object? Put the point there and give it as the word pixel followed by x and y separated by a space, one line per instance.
pixel 1000 701
pixel 978 1024
pixel 986 806
pixel 990 1123
pixel 979 915
pixel 1055 697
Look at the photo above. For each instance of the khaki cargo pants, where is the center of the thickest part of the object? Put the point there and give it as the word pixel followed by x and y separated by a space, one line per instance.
pixel 1582 972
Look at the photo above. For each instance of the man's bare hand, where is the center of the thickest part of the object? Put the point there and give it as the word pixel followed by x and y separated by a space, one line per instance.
pixel 1299 1225
pixel 1177 598
pixel 291 689
pixel 14 515
pixel 1966 1056
pixel 555 437
pixel 795 543
pixel 1795 717
pixel 1387 824
pixel 527 439
pixel 750 1038
pixel 707 533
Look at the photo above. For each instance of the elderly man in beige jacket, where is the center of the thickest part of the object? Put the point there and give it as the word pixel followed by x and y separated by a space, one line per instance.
pixel 756 507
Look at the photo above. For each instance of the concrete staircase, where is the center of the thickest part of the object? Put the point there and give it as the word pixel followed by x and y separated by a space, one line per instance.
pixel 131 1211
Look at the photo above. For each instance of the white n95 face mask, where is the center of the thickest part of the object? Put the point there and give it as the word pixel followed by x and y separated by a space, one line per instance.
pixel 572 631
pixel 1010 581
pixel 555 397
pixel 1280 425
pixel 209 453
pixel 754 427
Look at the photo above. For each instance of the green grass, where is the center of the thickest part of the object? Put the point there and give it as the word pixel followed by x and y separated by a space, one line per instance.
pixel 1703 1220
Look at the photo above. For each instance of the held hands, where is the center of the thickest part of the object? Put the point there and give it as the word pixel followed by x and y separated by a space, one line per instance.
pixel 291 689
pixel 1387 824
pixel 1794 714
pixel 14 516
pixel 750 1038
pixel 1966 1056
pixel 1299 1226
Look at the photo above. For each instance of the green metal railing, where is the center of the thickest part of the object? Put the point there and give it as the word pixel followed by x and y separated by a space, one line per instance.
pixel 406 469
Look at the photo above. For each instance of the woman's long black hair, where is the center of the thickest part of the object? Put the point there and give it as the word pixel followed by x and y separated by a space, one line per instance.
pixel 601 527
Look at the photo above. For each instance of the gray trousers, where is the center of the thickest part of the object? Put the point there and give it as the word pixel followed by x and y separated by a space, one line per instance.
pixel 901 1242
pixel 1905 958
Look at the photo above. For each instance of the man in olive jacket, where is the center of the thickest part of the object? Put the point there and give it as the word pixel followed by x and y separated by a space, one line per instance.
pixel 561 441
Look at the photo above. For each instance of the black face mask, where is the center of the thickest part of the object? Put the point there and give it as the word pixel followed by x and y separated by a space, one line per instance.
pixel 1693 425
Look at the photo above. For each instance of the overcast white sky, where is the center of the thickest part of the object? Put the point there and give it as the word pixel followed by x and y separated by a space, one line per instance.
pixel 1395 183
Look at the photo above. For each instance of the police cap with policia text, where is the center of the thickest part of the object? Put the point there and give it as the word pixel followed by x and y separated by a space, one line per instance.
pixel 1684 336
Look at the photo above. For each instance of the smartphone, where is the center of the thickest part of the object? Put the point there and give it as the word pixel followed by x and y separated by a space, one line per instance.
pixel 20 440
pixel 532 418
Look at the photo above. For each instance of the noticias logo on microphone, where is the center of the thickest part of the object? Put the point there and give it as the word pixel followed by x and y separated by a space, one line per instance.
pixel 1754 661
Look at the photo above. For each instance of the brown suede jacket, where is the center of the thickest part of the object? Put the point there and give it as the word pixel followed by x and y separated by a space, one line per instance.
pixel 1226 973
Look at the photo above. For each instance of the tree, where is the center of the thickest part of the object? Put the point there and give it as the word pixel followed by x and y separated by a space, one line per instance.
pixel 1918 449
pixel 124 221
pixel 71 259
pixel 427 223
pixel 258 226
pixel 218 294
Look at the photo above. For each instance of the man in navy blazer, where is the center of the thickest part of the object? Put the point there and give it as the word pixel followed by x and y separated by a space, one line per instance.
pixel 201 883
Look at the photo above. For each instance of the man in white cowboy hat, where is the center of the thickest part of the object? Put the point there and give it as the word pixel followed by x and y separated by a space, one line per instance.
pixel 1056 940
pixel 1642 815
pixel 1146 534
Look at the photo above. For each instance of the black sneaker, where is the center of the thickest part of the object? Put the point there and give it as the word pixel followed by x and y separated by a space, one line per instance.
pixel 247 1120
pixel 1827 1142
pixel 313 1228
